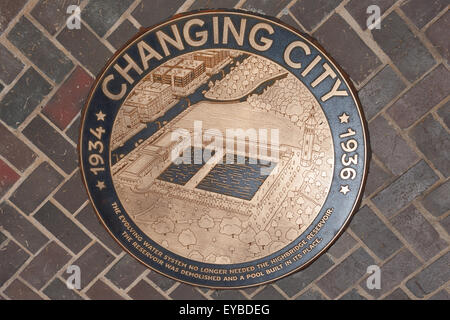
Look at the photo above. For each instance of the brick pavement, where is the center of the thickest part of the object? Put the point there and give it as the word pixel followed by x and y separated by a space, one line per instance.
pixel 401 72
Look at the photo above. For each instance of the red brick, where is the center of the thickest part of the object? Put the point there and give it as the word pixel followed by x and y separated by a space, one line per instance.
pixel 69 99
pixel 7 177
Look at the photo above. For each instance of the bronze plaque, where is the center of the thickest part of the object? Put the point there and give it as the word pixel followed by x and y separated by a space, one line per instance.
pixel 223 149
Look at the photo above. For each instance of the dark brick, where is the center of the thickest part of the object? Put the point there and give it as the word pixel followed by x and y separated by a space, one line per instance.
pixel 444 113
pixel 12 257
pixel 93 261
pixel 437 33
pixel 265 6
pixel 2 238
pixel 52 144
pixel 10 66
pixel 57 290
pixel 298 281
pixel 431 278
pixel 379 91
pixel 405 189
pixel 345 274
pixel 164 283
pixel 85 47
pixel 434 141
pixel 21 229
pixel 52 15
pixel 125 271
pixel 89 219
pixel 122 34
pixel 310 12
pixel 419 232
pixel 374 233
pixel 352 295
pixel 441 295
pixel 14 150
pixel 398 294
pixel 101 291
pixel 9 9
pixel 73 131
pixel 227 295
pixel 67 102
pixel 421 98
pixel 287 18
pixel 45 265
pixel 40 50
pixel 358 9
pixel 186 292
pixel 421 12
pixel 17 290
pixel 39 184
pixel 72 194
pixel 23 98
pixel 311 294
pixel 268 293
pixel 8 177
pixel 62 227
pixel 143 291
pixel 406 51
pixel 209 4
pixel 390 147
pixel 395 271
pixel 446 224
pixel 146 14
pixel 343 245
pixel 338 38
pixel 102 14
pixel 376 178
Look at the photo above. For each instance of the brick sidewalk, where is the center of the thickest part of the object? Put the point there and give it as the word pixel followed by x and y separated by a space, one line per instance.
pixel 401 72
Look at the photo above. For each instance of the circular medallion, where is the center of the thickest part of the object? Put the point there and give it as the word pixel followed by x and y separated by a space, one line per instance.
pixel 223 149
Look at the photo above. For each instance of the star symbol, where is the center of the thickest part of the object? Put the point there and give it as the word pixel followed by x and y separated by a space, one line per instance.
pixel 344 118
pixel 344 190
pixel 100 185
pixel 100 116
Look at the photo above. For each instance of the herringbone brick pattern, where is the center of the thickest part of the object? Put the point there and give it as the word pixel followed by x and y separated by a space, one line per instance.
pixel 401 72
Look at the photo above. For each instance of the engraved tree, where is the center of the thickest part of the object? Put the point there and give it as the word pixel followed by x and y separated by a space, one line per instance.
pixel 254 249
pixel 248 236
pixel 206 222
pixel 263 238
pixel 230 226
pixel 187 238
pixel 299 221
pixel 163 226
pixel 291 234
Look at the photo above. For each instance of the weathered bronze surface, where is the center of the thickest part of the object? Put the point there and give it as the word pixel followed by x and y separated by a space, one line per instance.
pixel 223 149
